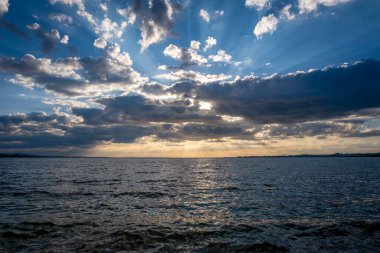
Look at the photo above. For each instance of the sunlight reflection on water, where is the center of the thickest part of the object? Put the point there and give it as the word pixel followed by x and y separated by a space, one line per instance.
pixel 202 205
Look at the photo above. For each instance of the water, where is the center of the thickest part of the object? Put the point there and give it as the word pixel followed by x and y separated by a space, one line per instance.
pixel 190 205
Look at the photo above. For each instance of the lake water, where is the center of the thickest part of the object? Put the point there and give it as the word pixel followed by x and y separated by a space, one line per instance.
pixel 190 205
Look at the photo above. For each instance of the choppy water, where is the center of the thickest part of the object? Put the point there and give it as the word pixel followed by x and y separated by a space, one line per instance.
pixel 190 205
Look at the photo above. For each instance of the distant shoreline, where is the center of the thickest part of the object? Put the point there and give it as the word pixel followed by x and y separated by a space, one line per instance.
pixel 22 155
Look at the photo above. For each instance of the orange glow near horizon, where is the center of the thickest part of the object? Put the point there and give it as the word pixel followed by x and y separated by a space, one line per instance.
pixel 233 148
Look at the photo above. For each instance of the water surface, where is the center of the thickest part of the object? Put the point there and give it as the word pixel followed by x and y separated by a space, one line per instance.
pixel 190 205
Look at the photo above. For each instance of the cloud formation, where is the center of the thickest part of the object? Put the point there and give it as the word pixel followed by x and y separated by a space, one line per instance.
pixel 307 6
pixel 259 4
pixel 49 39
pixel 221 56
pixel 204 15
pixel 156 20
pixel 73 76
pixel 297 97
pixel 335 101
pixel 267 24
pixel 187 56
pixel 4 7
pixel 62 18
pixel 209 43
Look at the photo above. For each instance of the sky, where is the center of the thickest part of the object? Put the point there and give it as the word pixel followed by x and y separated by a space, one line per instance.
pixel 192 78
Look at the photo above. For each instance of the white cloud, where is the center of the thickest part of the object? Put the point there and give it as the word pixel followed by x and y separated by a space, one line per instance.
pixel 100 43
pixel 115 53
pixel 219 13
pixel 204 15
pixel 128 14
pixel 103 6
pixel 209 43
pixel 286 14
pixel 23 81
pixel 87 16
pixel 152 33
pixel 195 45
pixel 221 56
pixel 162 67
pixel 4 7
pixel 259 4
pixel 81 8
pixel 35 26
pixel 61 18
pixel 108 28
pixel 267 24
pixel 187 56
pixel 181 75
pixel 172 51
pixel 307 6
pixel 65 39
pixel 78 3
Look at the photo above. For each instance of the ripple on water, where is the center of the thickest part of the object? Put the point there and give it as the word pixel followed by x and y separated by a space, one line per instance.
pixel 190 205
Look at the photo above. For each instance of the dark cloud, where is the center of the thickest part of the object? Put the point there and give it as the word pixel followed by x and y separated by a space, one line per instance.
pixel 207 131
pixel 13 28
pixel 309 96
pixel 38 130
pixel 70 76
pixel 49 39
pixel 53 77
pixel 105 70
pixel 336 101
pixel 137 108
pixel 36 117
pixel 152 89
pixel 156 19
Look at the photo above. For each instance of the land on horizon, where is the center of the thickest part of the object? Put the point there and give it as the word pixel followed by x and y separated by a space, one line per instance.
pixel 24 155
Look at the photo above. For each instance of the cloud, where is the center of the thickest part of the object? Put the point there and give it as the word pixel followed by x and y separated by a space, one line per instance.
pixel 74 76
pixel 4 7
pixel 103 6
pixel 13 28
pixel 201 131
pixel 221 56
pixel 307 6
pixel 209 43
pixel 335 101
pixel 156 20
pixel 114 52
pixel 259 4
pixel 65 39
pixel 100 43
pixel 204 15
pixel 61 18
pixel 139 109
pixel 128 14
pixel 286 14
pixel 187 56
pixel 39 130
pixel 183 75
pixel 49 39
pixel 81 8
pixel 107 28
pixel 267 24
pixel 297 97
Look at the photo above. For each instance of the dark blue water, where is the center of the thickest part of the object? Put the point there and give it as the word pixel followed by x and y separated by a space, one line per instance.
pixel 190 205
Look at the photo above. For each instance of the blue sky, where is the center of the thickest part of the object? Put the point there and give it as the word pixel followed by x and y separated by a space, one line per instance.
pixel 68 59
